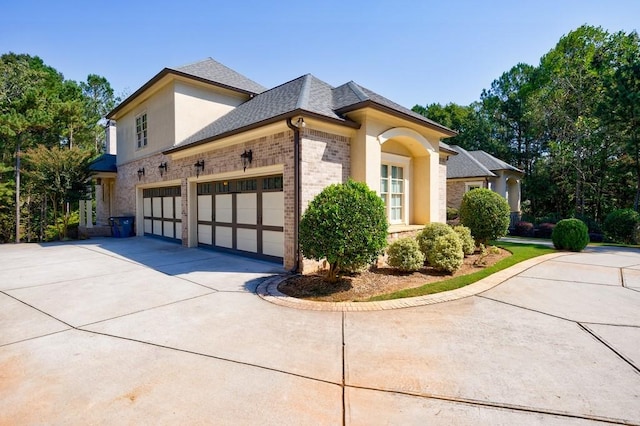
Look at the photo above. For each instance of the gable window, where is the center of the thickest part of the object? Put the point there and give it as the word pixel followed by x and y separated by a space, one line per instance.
pixel 392 191
pixel 141 130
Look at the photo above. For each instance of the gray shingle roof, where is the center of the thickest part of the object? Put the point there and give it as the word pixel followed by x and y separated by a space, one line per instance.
pixel 350 95
pixel 214 71
pixel 468 164
pixel 306 94
pixel 493 163
pixel 464 165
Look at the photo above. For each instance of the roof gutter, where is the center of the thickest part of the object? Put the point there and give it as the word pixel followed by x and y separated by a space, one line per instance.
pixel 296 191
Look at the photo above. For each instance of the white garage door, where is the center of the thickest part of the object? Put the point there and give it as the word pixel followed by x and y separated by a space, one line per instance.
pixel 162 210
pixel 243 215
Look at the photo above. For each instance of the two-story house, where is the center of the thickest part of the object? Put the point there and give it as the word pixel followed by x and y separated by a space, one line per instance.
pixel 207 157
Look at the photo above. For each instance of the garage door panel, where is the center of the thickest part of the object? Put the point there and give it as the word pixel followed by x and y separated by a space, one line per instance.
pixel 273 208
pixel 178 208
pixel 224 236
pixel 167 207
pixel 273 243
pixel 205 210
pixel 147 226
pixel 156 207
pixel 168 230
pixel 204 234
pixel 246 208
pixel 157 227
pixel 247 240
pixel 146 207
pixel 224 208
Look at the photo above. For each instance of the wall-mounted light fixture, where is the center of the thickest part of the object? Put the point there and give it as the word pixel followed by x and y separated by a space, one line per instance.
pixel 300 123
pixel 247 158
pixel 199 165
pixel 162 168
pixel 140 173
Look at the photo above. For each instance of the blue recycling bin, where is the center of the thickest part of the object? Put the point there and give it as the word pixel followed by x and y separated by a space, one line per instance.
pixel 121 226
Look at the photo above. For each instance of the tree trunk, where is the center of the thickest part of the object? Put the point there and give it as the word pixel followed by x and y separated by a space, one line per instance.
pixel 332 274
pixel 18 191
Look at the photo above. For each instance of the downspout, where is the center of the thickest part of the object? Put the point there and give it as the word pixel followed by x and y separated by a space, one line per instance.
pixel 296 192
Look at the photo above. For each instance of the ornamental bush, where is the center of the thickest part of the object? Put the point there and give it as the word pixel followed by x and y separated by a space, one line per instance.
pixel 621 226
pixel 427 237
pixel 345 224
pixel 523 229
pixel 468 244
pixel 405 254
pixel 570 234
pixel 446 254
pixel 486 213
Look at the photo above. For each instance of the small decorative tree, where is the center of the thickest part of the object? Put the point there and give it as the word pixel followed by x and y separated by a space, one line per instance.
pixel 486 214
pixel 345 224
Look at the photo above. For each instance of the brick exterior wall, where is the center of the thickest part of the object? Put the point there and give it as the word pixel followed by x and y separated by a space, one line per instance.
pixel 324 157
pixel 455 192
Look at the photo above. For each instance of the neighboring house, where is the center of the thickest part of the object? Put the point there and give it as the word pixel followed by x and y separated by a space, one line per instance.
pixel 207 157
pixel 477 169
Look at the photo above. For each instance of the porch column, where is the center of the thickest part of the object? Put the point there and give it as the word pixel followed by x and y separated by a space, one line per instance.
pixel 83 220
pixel 89 212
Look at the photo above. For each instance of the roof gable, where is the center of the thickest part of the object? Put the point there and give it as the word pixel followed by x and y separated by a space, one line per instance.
pixel 207 71
pixel 216 72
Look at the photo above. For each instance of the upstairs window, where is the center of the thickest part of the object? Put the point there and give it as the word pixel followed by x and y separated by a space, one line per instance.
pixel 141 130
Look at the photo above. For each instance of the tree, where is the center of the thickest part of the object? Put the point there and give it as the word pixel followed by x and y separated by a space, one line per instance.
pixel 61 175
pixel 345 224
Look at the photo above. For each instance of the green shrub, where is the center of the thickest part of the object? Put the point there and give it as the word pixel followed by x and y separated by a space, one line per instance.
pixel 345 224
pixel 570 234
pixel 447 254
pixel 427 237
pixel 621 226
pixel 468 244
pixel 452 213
pixel 486 213
pixel 405 254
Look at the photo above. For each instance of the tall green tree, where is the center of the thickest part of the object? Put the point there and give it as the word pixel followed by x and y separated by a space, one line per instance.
pixel 61 176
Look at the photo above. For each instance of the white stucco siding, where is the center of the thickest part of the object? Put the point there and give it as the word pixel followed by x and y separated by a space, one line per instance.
pixel 196 107
pixel 160 126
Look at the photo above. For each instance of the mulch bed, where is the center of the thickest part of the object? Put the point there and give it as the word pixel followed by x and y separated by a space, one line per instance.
pixel 381 280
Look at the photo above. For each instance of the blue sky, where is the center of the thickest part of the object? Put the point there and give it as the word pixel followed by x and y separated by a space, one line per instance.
pixel 413 52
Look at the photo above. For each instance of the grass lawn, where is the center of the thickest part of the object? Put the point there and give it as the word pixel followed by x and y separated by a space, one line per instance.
pixel 521 252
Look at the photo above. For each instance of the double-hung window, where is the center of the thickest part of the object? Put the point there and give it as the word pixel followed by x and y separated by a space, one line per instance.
pixel 141 130
pixel 392 191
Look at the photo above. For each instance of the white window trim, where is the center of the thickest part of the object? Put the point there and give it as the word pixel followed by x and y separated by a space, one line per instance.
pixel 404 162
pixel 468 186
pixel 135 130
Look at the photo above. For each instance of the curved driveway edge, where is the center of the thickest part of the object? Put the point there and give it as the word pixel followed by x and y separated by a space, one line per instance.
pixel 268 290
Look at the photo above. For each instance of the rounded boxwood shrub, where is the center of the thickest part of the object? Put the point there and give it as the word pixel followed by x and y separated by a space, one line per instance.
pixel 570 234
pixel 621 226
pixel 405 254
pixel 447 254
pixel 427 237
pixel 486 213
pixel 346 224
pixel 468 244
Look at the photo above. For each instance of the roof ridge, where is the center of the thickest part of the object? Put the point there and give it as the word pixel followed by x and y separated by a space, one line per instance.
pixel 208 58
pixel 305 92
pixel 467 154
pixel 357 90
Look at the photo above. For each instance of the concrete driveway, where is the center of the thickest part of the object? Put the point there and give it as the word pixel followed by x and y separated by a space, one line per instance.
pixel 141 331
